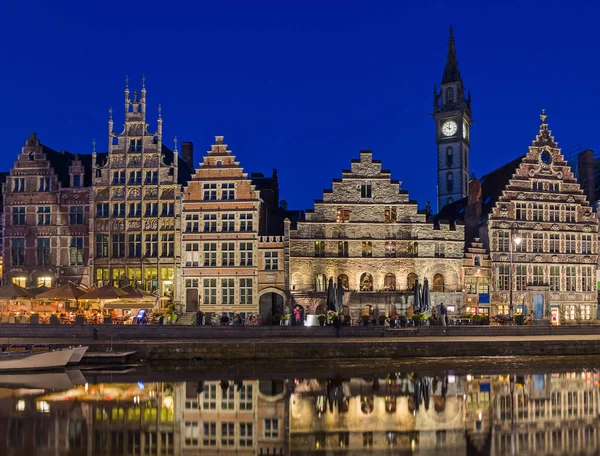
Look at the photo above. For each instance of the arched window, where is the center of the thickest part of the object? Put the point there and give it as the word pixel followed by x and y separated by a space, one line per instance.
pixel 389 282
pixel 367 249
pixel 449 156
pixel 343 248
pixel 449 95
pixel 450 182
pixel 477 261
pixel 411 280
pixel 320 282
pixel 438 282
pixel 390 249
pixel 319 248
pixel 344 279
pixel 366 282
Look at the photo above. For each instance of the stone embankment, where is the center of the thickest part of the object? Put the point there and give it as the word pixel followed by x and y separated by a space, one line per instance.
pixel 279 343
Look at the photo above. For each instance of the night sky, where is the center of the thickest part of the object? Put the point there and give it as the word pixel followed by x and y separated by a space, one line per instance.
pixel 302 86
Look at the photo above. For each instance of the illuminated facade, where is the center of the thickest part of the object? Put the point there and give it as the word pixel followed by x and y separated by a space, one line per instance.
pixel 230 262
pixel 477 273
pixel 367 232
pixel 135 224
pixel 46 217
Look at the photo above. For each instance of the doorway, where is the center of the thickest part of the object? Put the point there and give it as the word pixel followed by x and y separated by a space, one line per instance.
pixel 191 300
pixel 538 306
pixel 270 305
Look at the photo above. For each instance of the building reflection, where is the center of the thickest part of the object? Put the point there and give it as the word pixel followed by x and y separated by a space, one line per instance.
pixel 399 414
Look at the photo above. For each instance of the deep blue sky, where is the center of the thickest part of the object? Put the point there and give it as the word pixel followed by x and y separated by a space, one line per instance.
pixel 302 86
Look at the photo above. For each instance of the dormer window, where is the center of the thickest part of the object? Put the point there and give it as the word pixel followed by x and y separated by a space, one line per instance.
pixel 44 184
pixel 365 190
pixel 19 184
pixel 77 180
pixel 135 145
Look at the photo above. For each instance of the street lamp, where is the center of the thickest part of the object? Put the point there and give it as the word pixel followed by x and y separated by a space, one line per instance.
pixel 515 238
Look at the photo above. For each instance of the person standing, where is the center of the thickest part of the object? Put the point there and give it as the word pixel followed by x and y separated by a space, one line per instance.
pixel 444 313
pixel 337 324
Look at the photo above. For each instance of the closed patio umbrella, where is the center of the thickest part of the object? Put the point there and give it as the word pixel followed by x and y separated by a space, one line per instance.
pixel 417 296
pixel 339 295
pixel 330 295
pixel 426 299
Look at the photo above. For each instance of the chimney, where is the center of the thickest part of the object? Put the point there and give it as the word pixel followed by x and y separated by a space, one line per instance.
pixel 187 153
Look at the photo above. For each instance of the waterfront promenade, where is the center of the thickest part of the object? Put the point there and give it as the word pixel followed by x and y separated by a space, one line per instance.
pixel 282 343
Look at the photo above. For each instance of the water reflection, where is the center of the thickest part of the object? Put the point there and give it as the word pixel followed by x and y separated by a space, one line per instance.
pixel 398 414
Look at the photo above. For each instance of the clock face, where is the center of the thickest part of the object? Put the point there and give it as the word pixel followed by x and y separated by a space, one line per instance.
pixel 465 129
pixel 449 128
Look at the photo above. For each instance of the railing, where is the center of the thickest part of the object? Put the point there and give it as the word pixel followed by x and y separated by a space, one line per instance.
pixel 270 239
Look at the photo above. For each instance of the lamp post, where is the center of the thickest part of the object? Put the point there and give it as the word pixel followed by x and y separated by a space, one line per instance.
pixel 516 239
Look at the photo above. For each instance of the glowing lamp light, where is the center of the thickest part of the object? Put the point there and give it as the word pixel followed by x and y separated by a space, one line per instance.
pixel 517 240
pixel 21 405
pixel 469 377
pixel 43 407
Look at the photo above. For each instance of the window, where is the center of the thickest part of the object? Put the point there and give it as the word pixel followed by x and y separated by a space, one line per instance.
pixel 553 213
pixel 365 190
pixel 554 278
pixel 227 222
pixel 272 260
pixel 168 209
pixel 76 251
pixel 367 439
pixel 18 216
pixel 586 243
pixel 586 311
pixel 191 283
pixel 343 215
pixel 43 215
pixel 245 222
pixel 246 254
pixel 118 245
pixel 245 291
pixel 438 282
pixel 503 241
pixel 570 312
pixel 228 191
pixel 587 284
pixel 390 249
pixel 413 249
pixel 439 250
pixel 118 178
pixel 209 397
pixel 192 254
pixel 102 246
pixel 554 245
pixel 135 177
pixel 227 434
pixel 449 156
pixel 167 245
pixel 319 248
pixel 477 261
pixel 118 210
pixel 135 209
pixel 537 186
pixel 135 245
pixel 151 209
pixel 17 251
pixel 503 273
pixel 537 212
pixel 21 281
pixel 191 223
pixel 151 245
pixel 209 435
pixel 271 428
pixel 19 184
pixel 43 251
pixel 228 254
pixel 538 242
pixel 389 282
pixel 390 214
pixel 366 282
pixel 521 211
pixel 569 243
pixel 570 214
pixel 76 215
pixel 45 281
pixel 450 182
pixel 210 192
pixel 210 223
pixel 367 249
pixel 520 277
pixel 538 275
pixel 343 248
pixel 228 294
pixel 191 434
pixel 151 178
pixel 246 397
pixel 44 184
pixel 246 434
pixel 102 210
pixel 210 254
pixel 571 282
pixel 210 291
pixel 135 145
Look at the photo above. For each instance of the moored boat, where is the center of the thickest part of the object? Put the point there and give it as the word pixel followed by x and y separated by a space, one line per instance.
pixel 30 361
pixel 78 353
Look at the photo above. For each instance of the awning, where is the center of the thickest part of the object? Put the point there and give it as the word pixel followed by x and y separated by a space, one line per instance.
pixel 129 305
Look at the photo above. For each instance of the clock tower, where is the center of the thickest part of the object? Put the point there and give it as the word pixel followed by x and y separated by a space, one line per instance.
pixel 452 114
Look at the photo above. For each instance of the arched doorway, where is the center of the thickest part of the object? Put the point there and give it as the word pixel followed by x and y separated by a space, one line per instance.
pixel 366 282
pixel 389 282
pixel 344 279
pixel 438 282
pixel 269 305
pixel 411 280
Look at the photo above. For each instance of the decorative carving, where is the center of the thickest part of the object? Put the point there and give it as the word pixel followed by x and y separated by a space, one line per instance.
pixel 151 224
pixel 135 162
pixel 118 193
pixel 152 193
pixel 118 225
pixel 531 173
pixel 135 225
pixel 135 193
pixel 538 258
pixel 118 162
pixel 559 174
pixel 587 259
pixel 538 226
pixel 554 227
pixel 570 199
pixel 521 196
pixel 555 258
pixel 587 228
pixel 151 162
pixel 168 193
pixel 102 195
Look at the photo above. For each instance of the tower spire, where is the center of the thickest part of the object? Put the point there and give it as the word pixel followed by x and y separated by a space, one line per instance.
pixel 451 71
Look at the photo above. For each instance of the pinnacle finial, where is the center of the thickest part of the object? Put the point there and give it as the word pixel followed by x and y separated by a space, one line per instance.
pixel 110 113
pixel 126 82
pixel 543 116
pixel 451 36
pixel 175 141
pixel 143 82
pixel 94 146
pixel 159 111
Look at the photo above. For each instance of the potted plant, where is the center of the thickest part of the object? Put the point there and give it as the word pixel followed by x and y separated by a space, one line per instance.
pixel 365 320
pixel 34 319
pixel 276 319
pixel 381 320
pixel 417 319
pixel 322 319
pixel 286 319
pixel 519 318
pixel 485 320
pixel 403 320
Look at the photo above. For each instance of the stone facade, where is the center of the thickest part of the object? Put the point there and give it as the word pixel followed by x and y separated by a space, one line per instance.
pixel 46 221
pixel 136 197
pixel 369 233
pixel 228 266
pixel 554 266
pixel 477 273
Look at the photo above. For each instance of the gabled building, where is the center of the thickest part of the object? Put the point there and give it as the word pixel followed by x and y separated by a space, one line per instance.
pixel 45 217
pixel 136 203
pixel 368 233
pixel 233 244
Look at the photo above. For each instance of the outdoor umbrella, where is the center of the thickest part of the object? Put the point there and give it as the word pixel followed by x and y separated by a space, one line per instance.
pixel 426 299
pixel 13 292
pixel 134 293
pixel 426 392
pixel 105 292
pixel 417 295
pixel 417 393
pixel 340 295
pixel 330 295
pixel 37 290
pixel 69 291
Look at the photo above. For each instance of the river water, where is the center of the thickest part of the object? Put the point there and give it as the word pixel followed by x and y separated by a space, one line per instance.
pixel 487 406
